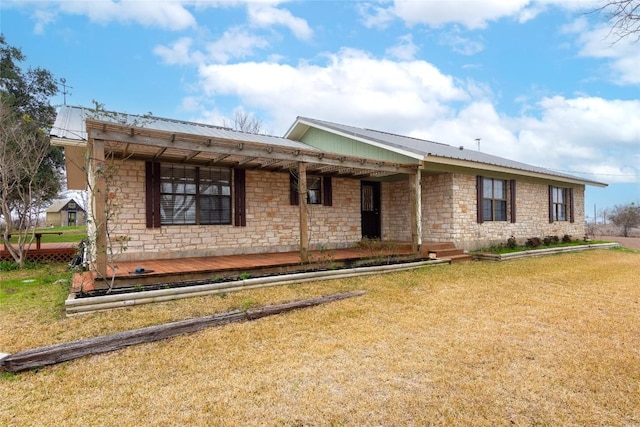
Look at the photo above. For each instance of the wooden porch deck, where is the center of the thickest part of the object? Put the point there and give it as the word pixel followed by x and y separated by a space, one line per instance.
pixel 150 272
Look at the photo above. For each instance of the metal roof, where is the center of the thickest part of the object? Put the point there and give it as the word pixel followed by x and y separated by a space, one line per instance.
pixel 57 205
pixel 423 149
pixel 166 140
pixel 70 124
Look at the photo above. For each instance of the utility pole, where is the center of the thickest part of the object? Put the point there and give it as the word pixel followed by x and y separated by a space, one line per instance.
pixel 478 143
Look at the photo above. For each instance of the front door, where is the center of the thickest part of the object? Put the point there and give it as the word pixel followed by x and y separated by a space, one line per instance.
pixel 370 209
pixel 71 218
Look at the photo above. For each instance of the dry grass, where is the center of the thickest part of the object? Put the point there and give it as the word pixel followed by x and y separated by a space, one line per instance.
pixel 545 341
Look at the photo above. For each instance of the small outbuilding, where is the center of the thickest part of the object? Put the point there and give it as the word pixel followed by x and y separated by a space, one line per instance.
pixel 65 213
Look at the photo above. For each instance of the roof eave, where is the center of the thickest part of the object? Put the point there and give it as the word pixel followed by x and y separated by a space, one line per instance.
pixel 429 158
pixel 296 130
pixel 66 142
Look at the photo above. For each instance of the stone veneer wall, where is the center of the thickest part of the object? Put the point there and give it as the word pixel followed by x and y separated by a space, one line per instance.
pixel 449 213
pixel 396 212
pixel 437 208
pixel 272 223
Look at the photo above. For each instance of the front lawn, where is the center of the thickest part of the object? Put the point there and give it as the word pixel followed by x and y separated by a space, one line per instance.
pixel 69 234
pixel 39 292
pixel 537 341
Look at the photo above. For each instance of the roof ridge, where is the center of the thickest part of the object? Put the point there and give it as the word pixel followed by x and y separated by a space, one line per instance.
pixel 379 131
pixel 409 137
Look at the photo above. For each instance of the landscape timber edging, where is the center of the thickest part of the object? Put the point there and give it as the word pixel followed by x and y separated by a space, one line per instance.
pixel 39 357
pixel 75 306
pixel 541 252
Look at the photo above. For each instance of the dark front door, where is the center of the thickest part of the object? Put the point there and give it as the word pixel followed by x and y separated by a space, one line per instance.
pixel 72 218
pixel 370 209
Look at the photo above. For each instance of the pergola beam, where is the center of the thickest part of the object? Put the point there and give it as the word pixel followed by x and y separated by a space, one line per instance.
pixel 228 148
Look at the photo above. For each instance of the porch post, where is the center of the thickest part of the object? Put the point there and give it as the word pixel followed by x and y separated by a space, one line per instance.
pixel 98 187
pixel 304 219
pixel 416 210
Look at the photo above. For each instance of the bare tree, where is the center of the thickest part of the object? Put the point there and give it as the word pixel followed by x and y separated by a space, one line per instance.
pixel 624 16
pixel 625 217
pixel 23 149
pixel 245 122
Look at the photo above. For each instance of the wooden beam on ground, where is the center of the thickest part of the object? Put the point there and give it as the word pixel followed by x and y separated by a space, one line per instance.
pixel 50 355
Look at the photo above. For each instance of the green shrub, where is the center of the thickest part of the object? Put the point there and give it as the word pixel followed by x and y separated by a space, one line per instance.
pixel 566 238
pixel 512 243
pixel 533 242
pixel 11 265
pixel 8 266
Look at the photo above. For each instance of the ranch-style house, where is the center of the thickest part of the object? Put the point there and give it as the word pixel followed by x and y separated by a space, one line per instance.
pixel 171 189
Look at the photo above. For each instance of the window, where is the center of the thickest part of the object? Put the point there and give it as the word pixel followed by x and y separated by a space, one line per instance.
pixel 319 190
pixel 194 195
pixel 494 199
pixel 314 189
pixel 560 204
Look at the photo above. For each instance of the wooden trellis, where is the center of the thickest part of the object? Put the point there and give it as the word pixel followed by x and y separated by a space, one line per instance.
pixel 44 256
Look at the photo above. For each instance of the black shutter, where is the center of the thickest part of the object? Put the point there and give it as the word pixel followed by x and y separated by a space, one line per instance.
pixel 479 197
pixel 152 194
pixel 571 210
pixel 327 194
pixel 239 198
pixel 512 199
pixel 550 204
pixel 294 197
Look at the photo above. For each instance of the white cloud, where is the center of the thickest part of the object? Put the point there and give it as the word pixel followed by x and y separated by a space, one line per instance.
pixel 405 49
pixel 623 55
pixel 178 53
pixel 586 134
pixel 374 16
pixel 459 44
pixel 234 43
pixel 471 14
pixel 591 135
pixel 351 87
pixel 170 15
pixel 42 18
pixel 266 15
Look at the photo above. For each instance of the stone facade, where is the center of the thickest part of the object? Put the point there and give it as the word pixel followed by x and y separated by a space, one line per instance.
pixel 272 223
pixel 448 215
pixel 396 212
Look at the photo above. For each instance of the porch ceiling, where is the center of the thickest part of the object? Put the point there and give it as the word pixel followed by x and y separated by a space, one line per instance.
pixel 138 143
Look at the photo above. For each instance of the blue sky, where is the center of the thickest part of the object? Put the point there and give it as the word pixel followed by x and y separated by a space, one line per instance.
pixel 537 81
